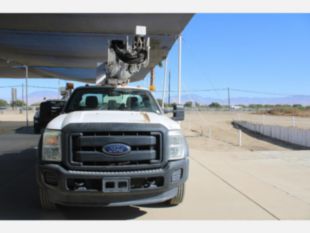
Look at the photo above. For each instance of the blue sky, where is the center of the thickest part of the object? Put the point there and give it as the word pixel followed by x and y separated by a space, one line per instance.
pixel 260 52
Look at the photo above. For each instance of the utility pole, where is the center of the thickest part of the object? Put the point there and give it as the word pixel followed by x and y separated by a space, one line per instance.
pixel 27 119
pixel 180 70
pixel 59 89
pixel 165 86
pixel 23 97
pixel 169 85
pixel 228 98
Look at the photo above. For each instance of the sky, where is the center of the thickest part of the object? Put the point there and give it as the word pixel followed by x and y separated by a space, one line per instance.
pixel 267 53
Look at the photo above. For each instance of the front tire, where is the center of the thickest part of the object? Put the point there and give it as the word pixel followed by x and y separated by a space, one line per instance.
pixel 179 197
pixel 45 201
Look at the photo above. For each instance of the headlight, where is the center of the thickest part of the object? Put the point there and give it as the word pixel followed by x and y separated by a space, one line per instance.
pixel 51 146
pixel 177 145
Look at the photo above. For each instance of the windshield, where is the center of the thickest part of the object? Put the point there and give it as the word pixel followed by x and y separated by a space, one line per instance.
pixel 112 99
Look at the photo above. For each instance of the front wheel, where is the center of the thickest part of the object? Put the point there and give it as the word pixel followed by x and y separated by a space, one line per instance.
pixel 45 201
pixel 179 197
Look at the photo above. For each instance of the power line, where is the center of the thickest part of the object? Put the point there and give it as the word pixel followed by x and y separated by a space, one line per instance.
pixel 260 92
pixel 10 86
pixel 183 91
pixel 202 90
pixel 232 89
pixel 42 87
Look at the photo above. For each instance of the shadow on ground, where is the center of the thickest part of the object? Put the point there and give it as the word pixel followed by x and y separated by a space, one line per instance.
pixel 10 126
pixel 19 198
pixel 24 130
pixel 269 139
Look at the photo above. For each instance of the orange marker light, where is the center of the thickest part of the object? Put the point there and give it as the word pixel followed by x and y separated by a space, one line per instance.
pixel 69 86
pixel 152 88
pixel 51 140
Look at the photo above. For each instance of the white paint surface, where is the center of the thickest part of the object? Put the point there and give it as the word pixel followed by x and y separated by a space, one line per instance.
pixel 112 117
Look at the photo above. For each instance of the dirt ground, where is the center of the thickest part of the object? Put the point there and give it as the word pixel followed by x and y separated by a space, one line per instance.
pixel 15 115
pixel 10 119
pixel 213 131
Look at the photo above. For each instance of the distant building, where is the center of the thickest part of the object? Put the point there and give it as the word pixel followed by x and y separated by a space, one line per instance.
pixel 236 107
pixel 13 95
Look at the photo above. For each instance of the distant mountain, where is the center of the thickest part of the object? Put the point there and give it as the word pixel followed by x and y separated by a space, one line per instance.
pixel 296 99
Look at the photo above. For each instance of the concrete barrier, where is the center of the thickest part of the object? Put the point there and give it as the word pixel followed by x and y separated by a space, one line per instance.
pixel 292 135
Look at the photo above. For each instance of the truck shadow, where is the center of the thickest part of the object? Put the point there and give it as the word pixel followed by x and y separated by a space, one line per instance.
pixel 19 199
pixel 24 130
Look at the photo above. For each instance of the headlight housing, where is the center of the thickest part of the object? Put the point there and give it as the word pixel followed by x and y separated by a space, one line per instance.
pixel 177 145
pixel 51 146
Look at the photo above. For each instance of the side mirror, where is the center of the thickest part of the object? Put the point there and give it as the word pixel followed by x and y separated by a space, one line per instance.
pixel 178 112
pixel 167 110
pixel 56 109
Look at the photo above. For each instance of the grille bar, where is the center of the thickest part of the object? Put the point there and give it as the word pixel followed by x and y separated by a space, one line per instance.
pixel 93 156
pixel 94 141
pixel 149 172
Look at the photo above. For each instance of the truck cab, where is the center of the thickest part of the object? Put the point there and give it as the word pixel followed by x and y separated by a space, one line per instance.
pixel 112 146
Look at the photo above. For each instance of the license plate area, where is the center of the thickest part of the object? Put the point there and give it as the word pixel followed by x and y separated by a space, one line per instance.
pixel 115 185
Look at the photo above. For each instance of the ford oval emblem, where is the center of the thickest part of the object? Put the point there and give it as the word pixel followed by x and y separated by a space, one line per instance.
pixel 116 149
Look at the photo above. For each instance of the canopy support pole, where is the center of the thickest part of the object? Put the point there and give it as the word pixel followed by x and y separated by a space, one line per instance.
pixel 180 69
pixel 27 116
pixel 165 85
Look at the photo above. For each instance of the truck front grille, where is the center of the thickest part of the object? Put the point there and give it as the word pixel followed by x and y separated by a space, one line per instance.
pixel 87 148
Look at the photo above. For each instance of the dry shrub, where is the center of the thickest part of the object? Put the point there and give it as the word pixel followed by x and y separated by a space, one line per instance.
pixel 287 111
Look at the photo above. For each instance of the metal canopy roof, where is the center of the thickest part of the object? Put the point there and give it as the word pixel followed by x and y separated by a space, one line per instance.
pixel 69 46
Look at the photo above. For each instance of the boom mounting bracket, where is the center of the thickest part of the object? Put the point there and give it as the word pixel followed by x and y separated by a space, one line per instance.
pixel 125 58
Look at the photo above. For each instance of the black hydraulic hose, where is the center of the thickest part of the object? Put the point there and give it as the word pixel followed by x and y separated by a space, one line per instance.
pixel 136 57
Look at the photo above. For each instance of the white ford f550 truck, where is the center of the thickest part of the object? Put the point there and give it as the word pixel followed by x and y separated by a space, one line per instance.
pixel 112 146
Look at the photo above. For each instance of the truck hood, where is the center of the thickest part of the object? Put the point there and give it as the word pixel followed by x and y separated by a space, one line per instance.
pixel 111 117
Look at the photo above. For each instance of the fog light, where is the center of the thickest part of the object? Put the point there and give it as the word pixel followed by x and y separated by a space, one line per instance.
pixel 176 175
pixel 51 178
